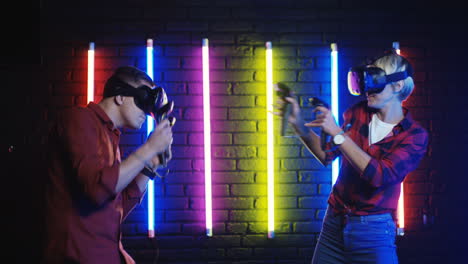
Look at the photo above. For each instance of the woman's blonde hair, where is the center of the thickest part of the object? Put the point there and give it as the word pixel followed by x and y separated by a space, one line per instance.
pixel 395 63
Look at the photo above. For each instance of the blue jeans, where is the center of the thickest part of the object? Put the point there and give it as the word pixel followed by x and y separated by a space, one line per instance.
pixel 356 239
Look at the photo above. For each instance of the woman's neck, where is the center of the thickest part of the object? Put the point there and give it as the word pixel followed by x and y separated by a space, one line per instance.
pixel 391 113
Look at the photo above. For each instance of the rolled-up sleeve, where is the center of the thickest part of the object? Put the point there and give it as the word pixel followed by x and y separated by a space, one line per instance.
pixel 94 168
pixel 331 153
pixel 393 167
pixel 131 196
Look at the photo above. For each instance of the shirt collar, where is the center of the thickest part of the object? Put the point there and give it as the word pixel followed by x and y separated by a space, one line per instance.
pixel 405 123
pixel 105 119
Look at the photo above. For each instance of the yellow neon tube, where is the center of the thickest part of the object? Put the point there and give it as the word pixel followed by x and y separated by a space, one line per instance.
pixel 270 141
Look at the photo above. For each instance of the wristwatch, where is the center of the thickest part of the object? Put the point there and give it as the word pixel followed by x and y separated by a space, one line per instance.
pixel 148 172
pixel 339 138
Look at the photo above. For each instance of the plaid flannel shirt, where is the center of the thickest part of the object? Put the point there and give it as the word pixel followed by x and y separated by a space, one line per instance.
pixel 376 190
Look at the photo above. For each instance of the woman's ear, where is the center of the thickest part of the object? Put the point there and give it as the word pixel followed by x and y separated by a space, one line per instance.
pixel 119 99
pixel 398 86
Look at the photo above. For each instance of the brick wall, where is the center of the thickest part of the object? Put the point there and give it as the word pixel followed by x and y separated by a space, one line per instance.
pixel 301 32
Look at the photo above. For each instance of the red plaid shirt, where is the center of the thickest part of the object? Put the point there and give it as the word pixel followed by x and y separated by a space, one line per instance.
pixel 376 190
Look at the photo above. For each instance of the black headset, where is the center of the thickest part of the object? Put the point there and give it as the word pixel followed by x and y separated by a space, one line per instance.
pixel 371 79
pixel 153 101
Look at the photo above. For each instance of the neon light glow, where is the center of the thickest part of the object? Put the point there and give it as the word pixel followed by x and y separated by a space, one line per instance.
pixel 207 137
pixel 270 141
pixel 396 47
pixel 401 200
pixel 90 93
pixel 334 101
pixel 149 129
pixel 401 213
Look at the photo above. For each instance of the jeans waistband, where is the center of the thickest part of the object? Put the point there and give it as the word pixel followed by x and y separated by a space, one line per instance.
pixel 366 218
pixel 362 218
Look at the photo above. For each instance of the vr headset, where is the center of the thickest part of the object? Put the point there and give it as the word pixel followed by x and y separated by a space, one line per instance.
pixel 371 79
pixel 153 102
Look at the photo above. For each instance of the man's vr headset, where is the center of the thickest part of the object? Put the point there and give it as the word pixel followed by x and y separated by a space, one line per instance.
pixel 153 102
pixel 371 79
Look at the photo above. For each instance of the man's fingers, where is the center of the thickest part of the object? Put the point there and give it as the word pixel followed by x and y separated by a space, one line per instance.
pixel 163 124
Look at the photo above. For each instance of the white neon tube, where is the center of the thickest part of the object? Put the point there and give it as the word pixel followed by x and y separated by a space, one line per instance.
pixel 270 141
pixel 334 101
pixel 90 92
pixel 207 137
pixel 149 129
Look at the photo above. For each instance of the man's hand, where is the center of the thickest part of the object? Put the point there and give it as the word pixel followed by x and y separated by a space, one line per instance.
pixel 156 161
pixel 161 138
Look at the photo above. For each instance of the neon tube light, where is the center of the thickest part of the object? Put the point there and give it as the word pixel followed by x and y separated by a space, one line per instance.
pixel 207 137
pixel 396 47
pixel 334 100
pixel 90 92
pixel 149 129
pixel 270 141
pixel 401 200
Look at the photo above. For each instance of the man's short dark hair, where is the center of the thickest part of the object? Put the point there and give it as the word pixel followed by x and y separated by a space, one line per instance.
pixel 128 74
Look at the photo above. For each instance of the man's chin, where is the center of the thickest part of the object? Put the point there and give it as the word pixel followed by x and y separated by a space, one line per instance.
pixel 135 126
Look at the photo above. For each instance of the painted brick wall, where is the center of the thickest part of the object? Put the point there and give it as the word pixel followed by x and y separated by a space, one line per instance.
pixel 301 33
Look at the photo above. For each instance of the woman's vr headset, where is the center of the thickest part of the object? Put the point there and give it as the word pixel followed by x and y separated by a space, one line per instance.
pixel 153 102
pixel 371 79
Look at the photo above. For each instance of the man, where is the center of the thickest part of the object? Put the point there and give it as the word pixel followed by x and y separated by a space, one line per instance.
pixel 90 190
pixel 380 144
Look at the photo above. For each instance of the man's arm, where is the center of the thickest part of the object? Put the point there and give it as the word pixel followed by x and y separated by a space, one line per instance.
pixel 146 155
pixel 133 193
pixel 131 167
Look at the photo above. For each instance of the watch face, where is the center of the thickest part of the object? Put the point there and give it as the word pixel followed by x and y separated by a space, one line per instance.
pixel 338 139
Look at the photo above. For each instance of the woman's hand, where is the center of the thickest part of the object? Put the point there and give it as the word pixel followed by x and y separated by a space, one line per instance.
pixel 325 121
pixel 294 118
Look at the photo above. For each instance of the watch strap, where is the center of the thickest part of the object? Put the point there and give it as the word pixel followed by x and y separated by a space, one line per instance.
pixel 148 172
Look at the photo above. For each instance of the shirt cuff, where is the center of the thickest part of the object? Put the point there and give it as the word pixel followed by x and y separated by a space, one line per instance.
pixel 133 191
pixel 331 152
pixel 109 178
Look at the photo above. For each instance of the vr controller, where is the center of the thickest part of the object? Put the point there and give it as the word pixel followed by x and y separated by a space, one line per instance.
pixel 314 102
pixel 160 111
pixel 284 91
